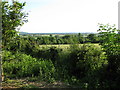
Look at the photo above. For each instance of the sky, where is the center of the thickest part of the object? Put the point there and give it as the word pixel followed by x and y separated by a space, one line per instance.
pixel 57 16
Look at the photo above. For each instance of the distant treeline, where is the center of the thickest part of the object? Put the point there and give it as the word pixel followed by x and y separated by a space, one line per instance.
pixel 63 39
pixel 26 33
pixel 87 66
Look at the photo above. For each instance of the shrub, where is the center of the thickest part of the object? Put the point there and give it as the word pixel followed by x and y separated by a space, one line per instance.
pixel 23 65
pixel 84 62
pixel 110 41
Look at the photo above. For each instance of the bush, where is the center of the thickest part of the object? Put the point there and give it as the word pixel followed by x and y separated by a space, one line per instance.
pixel 83 62
pixel 22 65
pixel 84 58
pixel 110 41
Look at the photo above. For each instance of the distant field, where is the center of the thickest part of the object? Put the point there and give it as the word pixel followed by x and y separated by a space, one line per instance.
pixel 54 35
pixel 64 46
pixel 58 46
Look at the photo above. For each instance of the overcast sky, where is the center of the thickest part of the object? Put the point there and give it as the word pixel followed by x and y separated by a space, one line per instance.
pixel 46 16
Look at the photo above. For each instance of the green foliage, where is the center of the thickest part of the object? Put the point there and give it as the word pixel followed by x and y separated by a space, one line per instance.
pixel 12 18
pixel 81 64
pixel 80 38
pixel 22 65
pixel 89 66
pixel 29 86
pixel 92 38
pixel 110 41
pixel 57 39
pixel 85 59
pixel 78 64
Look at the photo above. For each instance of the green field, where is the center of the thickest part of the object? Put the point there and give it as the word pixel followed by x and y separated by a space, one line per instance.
pixel 65 46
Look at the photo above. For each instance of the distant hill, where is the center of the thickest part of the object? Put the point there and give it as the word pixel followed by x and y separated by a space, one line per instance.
pixel 21 33
pixel 26 33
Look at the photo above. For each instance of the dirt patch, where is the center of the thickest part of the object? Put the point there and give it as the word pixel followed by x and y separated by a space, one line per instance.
pixel 24 83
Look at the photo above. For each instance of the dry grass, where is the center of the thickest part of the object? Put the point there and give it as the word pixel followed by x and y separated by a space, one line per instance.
pixel 24 83
pixel 63 46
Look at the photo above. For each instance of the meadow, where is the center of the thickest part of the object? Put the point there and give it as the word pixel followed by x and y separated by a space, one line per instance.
pixel 66 46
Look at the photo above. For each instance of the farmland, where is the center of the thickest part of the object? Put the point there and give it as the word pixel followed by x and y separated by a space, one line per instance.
pixel 66 46
pixel 57 61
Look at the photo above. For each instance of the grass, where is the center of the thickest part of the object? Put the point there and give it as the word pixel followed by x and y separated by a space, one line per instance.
pixel 53 35
pixel 65 46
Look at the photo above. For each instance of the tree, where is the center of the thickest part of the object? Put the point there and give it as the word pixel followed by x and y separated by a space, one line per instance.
pixel 110 41
pixel 12 18
pixel 92 37
pixel 80 38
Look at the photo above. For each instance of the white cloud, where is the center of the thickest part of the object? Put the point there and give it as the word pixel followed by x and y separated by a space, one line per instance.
pixel 71 16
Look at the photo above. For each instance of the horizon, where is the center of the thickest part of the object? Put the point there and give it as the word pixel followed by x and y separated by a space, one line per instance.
pixel 55 32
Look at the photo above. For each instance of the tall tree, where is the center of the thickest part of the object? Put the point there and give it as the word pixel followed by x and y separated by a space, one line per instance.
pixel 12 18
pixel 80 38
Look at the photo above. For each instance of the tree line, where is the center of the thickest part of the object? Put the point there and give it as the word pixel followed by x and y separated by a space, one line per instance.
pixel 65 39
pixel 87 66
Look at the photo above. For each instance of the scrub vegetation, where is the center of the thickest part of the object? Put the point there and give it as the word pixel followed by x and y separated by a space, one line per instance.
pixel 47 62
